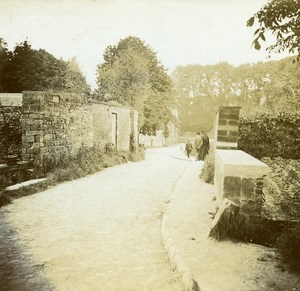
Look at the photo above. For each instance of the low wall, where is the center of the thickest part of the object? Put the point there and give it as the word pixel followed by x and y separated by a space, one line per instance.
pixel 239 178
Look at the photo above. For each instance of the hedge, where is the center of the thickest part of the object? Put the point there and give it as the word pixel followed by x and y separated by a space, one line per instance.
pixel 272 135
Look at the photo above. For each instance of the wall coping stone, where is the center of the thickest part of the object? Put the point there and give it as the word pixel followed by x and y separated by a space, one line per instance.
pixel 240 164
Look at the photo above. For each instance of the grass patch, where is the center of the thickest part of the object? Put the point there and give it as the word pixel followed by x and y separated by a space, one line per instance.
pixel 65 168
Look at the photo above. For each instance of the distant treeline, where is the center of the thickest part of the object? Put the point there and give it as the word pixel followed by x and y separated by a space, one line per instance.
pixel 199 90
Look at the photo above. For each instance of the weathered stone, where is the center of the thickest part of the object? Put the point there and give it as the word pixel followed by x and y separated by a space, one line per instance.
pixel 222 122
pixel 233 122
pixel 223 217
pixel 222 132
pixel 232 188
pixel 248 187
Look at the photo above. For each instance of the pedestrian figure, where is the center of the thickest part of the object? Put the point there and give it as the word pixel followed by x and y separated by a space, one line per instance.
pixel 198 145
pixel 205 146
pixel 188 148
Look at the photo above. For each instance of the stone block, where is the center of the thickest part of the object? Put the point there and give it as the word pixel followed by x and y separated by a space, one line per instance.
pixel 233 116
pixel 233 122
pixel 28 138
pixel 232 188
pixel 227 138
pixel 233 134
pixel 222 132
pixel 248 187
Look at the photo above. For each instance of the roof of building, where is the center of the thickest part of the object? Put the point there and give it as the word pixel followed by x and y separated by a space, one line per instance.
pixel 11 99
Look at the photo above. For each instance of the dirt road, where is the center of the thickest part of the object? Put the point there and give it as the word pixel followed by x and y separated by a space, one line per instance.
pixel 102 232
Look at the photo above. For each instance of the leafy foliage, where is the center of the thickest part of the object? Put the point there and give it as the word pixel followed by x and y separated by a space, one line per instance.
pixel 208 170
pixel 282 18
pixel 10 132
pixel 271 134
pixel 131 75
pixel 3 59
pixel 199 90
pixel 283 184
pixel 288 245
pixel 26 69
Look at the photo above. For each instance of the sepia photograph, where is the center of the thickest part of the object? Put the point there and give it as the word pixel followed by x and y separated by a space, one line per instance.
pixel 149 145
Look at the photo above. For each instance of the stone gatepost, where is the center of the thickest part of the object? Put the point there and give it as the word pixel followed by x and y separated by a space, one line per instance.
pixel 238 175
pixel 226 127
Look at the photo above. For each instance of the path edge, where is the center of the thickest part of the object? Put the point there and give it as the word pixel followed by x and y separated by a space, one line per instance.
pixel 175 257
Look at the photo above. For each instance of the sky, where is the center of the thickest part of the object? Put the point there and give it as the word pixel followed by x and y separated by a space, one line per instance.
pixel 182 32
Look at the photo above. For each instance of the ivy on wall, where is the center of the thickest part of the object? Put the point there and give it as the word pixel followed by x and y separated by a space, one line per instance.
pixel 10 131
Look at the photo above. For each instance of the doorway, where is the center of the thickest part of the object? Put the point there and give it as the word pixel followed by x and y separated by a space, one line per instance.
pixel 114 129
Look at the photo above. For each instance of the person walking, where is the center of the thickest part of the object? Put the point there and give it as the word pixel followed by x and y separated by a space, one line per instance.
pixel 188 148
pixel 205 146
pixel 198 145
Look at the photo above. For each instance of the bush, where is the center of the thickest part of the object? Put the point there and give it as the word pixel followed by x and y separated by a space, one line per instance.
pixel 283 184
pixel 208 170
pixel 109 148
pixel 288 245
pixel 270 135
pixel 10 132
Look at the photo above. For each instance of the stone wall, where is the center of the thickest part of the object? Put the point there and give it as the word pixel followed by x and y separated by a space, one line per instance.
pixel 238 175
pixel 226 125
pixel 55 125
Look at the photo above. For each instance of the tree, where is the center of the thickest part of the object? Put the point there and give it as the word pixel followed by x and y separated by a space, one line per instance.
pixel 27 69
pixel 131 75
pixel 3 59
pixel 282 19
pixel 75 81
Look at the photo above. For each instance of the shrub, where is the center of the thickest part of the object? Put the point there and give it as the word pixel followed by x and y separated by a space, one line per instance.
pixel 132 143
pixel 10 132
pixel 288 245
pixel 270 134
pixel 283 184
pixel 109 148
pixel 208 170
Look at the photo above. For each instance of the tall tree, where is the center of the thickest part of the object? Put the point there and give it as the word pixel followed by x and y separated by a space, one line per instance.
pixel 132 75
pixel 282 19
pixel 3 59
pixel 38 70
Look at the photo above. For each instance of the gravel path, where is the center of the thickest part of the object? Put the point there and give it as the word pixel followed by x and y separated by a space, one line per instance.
pixel 102 232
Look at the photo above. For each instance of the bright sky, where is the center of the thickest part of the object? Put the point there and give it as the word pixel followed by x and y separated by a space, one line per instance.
pixel 181 31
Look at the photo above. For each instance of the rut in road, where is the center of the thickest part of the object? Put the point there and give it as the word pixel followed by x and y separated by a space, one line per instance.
pixel 102 232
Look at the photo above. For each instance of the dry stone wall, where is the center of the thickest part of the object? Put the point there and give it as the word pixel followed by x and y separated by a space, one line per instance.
pixel 55 125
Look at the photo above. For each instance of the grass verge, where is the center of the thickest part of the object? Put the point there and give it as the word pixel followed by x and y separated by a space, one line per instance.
pixel 60 169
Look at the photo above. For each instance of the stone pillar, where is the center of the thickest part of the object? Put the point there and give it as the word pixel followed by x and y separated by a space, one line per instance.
pixel 226 127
